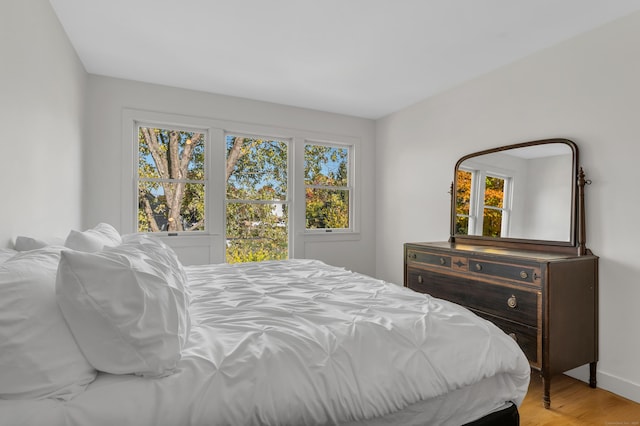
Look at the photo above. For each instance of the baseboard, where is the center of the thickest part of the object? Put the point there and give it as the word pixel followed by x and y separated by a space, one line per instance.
pixel 609 382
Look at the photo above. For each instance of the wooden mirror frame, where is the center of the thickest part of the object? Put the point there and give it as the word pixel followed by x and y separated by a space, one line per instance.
pixel 576 241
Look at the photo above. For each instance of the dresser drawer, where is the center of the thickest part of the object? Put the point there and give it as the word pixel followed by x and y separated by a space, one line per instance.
pixel 429 258
pixel 512 303
pixel 526 337
pixel 523 273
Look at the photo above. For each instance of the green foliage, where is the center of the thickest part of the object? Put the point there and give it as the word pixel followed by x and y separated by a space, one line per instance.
pixel 327 196
pixel 256 186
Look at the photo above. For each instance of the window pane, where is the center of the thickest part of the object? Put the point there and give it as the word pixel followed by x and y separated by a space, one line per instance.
pixel 492 223
pixel 326 165
pixel 462 225
pixel 256 169
pixel 327 208
pixel 494 192
pixel 256 232
pixel 159 211
pixel 463 192
pixel 170 154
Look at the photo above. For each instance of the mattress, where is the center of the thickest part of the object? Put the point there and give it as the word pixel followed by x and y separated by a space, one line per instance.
pixel 300 342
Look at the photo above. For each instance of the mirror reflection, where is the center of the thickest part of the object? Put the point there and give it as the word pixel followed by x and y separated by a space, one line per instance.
pixel 523 193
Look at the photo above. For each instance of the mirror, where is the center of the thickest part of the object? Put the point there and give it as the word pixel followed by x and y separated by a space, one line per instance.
pixel 522 192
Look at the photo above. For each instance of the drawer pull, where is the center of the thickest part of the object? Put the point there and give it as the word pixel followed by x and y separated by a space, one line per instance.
pixel 512 302
pixel 420 279
pixel 513 336
pixel 478 267
pixel 412 256
pixel 524 275
pixel 442 261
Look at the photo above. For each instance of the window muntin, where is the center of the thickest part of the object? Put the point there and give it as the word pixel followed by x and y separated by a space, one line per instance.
pixel 257 201
pixel 171 179
pixel 328 191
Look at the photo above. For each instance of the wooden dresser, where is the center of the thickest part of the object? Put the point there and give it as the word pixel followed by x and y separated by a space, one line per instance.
pixel 547 302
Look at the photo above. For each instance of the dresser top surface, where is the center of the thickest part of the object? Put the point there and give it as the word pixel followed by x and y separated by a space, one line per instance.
pixel 498 251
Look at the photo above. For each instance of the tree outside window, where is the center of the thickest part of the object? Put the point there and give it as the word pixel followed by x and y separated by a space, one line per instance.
pixel 327 187
pixel 171 180
pixel 173 192
pixel 257 202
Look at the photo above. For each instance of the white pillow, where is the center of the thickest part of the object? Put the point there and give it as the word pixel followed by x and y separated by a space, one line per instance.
pixel 157 249
pixel 38 355
pixel 29 243
pixel 94 239
pixel 126 307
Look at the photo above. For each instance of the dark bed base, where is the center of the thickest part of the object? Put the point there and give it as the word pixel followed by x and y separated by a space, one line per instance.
pixel 506 417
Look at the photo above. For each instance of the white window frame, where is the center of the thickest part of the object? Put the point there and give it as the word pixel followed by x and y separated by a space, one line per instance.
pixel 205 181
pixel 349 187
pixel 287 201
pixel 506 201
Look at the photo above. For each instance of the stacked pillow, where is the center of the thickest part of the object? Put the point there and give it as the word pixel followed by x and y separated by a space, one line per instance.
pixel 126 306
pixel 95 239
pixel 39 357
pixel 102 302
pixel 29 243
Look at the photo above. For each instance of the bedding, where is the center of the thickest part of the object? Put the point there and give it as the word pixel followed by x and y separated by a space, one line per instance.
pixel 94 239
pixel 39 357
pixel 300 342
pixel 6 253
pixel 24 243
pixel 126 306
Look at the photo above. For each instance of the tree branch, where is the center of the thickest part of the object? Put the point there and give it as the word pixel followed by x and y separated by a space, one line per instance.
pixel 158 156
pixel 148 211
pixel 234 156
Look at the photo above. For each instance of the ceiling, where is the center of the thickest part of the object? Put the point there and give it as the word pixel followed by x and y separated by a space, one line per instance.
pixel 366 58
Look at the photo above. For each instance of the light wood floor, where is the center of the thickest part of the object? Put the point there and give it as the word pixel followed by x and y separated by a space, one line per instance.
pixel 574 403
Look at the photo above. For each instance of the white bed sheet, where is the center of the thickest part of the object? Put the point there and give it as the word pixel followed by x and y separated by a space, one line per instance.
pixel 300 342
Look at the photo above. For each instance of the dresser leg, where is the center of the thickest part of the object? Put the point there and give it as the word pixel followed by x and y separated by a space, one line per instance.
pixel 592 374
pixel 546 385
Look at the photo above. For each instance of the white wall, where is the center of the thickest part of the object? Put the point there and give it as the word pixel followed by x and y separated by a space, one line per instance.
pixel 107 97
pixel 548 184
pixel 42 83
pixel 586 89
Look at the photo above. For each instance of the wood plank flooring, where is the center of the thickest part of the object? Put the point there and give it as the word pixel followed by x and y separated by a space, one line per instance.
pixel 574 403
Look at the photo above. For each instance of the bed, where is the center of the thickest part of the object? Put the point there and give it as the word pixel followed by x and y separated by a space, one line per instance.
pixel 105 330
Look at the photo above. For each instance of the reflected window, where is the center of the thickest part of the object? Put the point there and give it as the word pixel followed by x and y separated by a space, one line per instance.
pixel 463 201
pixel 482 203
pixel 494 213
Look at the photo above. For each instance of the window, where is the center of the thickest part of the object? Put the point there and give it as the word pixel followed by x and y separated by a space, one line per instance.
pixel 482 203
pixel 171 179
pixel 257 202
pixel 327 187
pixel 495 215
pixel 219 191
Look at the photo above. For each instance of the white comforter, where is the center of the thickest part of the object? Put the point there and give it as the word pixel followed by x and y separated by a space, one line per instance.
pixel 300 342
